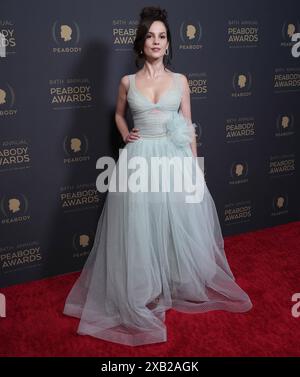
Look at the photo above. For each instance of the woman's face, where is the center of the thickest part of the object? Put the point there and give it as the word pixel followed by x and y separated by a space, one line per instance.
pixel 156 41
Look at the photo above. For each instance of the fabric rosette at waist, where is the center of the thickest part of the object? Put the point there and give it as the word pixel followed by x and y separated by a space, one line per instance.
pixel 180 131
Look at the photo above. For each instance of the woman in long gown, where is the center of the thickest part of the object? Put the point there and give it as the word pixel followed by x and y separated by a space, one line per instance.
pixel 153 251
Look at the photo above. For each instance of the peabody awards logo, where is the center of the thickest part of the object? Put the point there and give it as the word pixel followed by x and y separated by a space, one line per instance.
pixel 123 34
pixel 289 28
pixel 72 93
pixel 7 100
pixel 82 244
pixel 242 33
pixel 79 197
pixel 76 149
pixel 286 80
pixel 239 173
pixel 20 257
pixel 66 36
pixel 7 30
pixel 14 209
pixel 198 84
pixel 15 155
pixel 280 205
pixel 191 34
pixel 239 129
pixel 282 165
pixel 285 125
pixel 236 213
pixel 242 84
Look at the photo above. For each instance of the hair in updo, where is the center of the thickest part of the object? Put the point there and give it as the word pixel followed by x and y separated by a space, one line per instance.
pixel 154 12
pixel 147 16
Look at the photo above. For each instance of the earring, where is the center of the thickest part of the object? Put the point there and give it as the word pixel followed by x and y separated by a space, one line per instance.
pixel 141 52
pixel 167 52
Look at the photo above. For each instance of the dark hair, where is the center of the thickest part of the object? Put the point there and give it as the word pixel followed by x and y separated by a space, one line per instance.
pixel 147 16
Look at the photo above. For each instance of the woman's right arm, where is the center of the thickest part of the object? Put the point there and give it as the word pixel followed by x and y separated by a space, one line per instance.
pixel 121 112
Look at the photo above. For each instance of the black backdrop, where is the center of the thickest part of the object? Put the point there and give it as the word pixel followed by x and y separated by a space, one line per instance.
pixel 58 87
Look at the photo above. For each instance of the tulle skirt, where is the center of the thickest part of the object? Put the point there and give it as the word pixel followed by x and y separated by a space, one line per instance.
pixel 152 252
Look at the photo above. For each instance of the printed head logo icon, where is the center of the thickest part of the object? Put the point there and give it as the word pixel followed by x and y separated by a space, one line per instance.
pixel 75 144
pixel 190 31
pixel 2 96
pixel 84 240
pixel 280 202
pixel 14 205
pixel 2 305
pixel 242 81
pixel 291 30
pixel 239 169
pixel 65 32
pixel 285 121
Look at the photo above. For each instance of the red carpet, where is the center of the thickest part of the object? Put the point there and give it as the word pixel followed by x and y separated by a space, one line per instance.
pixel 265 263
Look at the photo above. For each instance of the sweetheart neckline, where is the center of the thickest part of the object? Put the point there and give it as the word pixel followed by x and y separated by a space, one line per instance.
pixel 161 96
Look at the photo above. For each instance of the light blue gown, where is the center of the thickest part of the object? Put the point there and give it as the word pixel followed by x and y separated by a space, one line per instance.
pixel 153 251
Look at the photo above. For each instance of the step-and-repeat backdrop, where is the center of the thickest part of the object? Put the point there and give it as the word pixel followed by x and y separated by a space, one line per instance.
pixel 58 88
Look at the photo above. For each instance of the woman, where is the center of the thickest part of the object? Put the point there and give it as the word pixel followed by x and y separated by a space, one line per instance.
pixel 154 250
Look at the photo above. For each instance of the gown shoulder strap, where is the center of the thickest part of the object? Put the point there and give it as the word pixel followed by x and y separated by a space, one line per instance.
pixel 178 82
pixel 130 76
